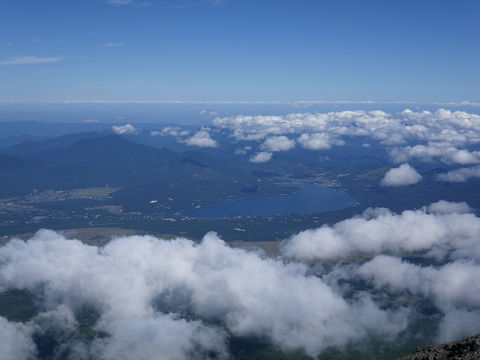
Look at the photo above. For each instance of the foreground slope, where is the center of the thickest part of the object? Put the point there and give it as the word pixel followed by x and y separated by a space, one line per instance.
pixel 465 349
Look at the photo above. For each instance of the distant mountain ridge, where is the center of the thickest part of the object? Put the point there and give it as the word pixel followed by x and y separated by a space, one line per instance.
pixel 143 172
pixel 111 151
pixel 59 142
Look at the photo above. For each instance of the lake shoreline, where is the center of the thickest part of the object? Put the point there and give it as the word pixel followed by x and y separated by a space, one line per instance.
pixel 308 199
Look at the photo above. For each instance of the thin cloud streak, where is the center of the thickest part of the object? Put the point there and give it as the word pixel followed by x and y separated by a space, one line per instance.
pixel 270 102
pixel 27 60
pixel 120 2
pixel 108 45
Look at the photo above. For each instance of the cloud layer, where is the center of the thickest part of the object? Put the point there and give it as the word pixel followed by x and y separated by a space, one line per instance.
pixel 144 288
pixel 185 299
pixel 442 135
pixel 443 229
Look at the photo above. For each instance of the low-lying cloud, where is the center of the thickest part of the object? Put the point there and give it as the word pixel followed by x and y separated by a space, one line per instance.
pixel 261 157
pixel 179 298
pixel 442 135
pixel 278 143
pixel 401 176
pixel 454 288
pixel 201 139
pixel 460 175
pixel 185 300
pixel 443 229
pixel 124 129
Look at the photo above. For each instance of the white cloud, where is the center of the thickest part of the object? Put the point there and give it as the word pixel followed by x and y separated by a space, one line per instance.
pixel 201 139
pixel 443 151
pixel 25 60
pixel 318 141
pixel 145 337
pixel 15 341
pixel 182 299
pixel 441 135
pixel 447 207
pixel 207 112
pixel 261 157
pixel 278 143
pixel 460 175
pixel 144 288
pixel 242 151
pixel 171 131
pixel 124 129
pixel 401 176
pixel 443 229
pixel 454 287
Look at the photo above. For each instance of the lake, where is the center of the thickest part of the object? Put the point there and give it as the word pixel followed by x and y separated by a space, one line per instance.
pixel 308 200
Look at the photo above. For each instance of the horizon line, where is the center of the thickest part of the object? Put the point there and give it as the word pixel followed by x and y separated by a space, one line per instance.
pixel 250 102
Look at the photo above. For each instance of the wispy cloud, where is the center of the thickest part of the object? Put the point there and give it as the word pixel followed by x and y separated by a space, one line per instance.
pixel 296 103
pixel 24 60
pixel 119 2
pixel 217 2
pixel 107 45
pixel 128 2
pixel 205 3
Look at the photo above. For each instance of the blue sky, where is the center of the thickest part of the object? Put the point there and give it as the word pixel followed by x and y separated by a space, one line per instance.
pixel 57 50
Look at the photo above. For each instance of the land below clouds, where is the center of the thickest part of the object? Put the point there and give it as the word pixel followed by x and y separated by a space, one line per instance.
pixel 130 181
pixel 143 187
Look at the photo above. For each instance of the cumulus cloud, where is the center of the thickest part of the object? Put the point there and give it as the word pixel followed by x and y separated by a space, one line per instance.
pixel 278 143
pixel 242 151
pixel 401 176
pixel 184 299
pixel 442 151
pixel 261 157
pixel 442 230
pixel 25 60
pixel 201 139
pixel 171 131
pixel 180 299
pixel 15 341
pixel 124 129
pixel 318 141
pixel 441 135
pixel 460 175
pixel 454 287
pixel 447 207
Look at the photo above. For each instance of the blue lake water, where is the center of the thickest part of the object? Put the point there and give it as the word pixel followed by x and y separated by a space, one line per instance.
pixel 308 200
